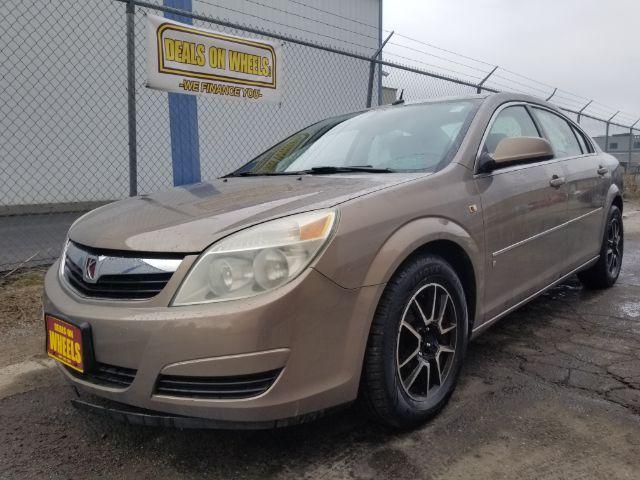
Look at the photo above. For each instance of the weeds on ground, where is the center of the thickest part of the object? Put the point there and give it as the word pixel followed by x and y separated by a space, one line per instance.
pixel 631 185
pixel 21 298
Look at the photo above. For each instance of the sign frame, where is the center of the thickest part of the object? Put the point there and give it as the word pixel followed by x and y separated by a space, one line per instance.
pixel 252 72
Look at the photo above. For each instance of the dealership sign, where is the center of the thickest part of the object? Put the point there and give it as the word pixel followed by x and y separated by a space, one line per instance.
pixel 181 58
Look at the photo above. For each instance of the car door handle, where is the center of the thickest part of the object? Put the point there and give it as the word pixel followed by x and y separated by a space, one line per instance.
pixel 556 181
pixel 602 170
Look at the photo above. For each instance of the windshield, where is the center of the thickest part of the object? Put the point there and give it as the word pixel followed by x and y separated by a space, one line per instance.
pixel 399 139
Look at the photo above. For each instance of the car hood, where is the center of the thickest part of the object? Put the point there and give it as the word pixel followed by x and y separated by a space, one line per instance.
pixel 188 219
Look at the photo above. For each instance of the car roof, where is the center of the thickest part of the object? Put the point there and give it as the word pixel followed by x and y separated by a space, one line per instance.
pixel 495 97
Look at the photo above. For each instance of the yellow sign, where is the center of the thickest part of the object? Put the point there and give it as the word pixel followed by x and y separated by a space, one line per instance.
pixel 64 342
pixel 185 59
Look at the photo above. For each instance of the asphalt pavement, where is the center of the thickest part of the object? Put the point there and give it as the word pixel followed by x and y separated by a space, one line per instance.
pixel 552 391
pixel 35 238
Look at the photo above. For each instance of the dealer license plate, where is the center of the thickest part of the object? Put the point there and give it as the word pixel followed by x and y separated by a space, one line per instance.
pixel 64 343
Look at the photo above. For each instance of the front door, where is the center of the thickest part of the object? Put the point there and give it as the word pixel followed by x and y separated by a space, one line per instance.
pixel 524 208
pixel 588 179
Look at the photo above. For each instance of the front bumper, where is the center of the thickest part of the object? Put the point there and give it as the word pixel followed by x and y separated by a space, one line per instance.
pixel 312 329
pixel 148 418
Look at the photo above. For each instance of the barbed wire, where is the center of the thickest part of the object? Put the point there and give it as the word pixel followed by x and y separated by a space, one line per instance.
pixel 524 84
pixel 508 88
pixel 524 77
pixel 340 40
pixel 376 38
pixel 497 75
pixel 438 56
pixel 413 60
pixel 529 84
pixel 440 48
pixel 335 14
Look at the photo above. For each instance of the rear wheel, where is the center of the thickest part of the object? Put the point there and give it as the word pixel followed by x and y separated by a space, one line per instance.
pixel 417 344
pixel 604 273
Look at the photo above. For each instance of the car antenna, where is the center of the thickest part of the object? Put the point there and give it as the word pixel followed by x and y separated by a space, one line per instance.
pixel 400 101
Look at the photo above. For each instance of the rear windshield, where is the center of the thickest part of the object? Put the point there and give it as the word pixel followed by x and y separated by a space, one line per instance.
pixel 401 139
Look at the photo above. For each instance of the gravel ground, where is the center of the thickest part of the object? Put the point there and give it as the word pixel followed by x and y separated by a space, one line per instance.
pixel 552 391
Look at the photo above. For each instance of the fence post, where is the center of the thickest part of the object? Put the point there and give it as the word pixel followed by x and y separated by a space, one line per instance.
pixel 630 145
pixel 131 99
pixel 380 34
pixel 631 141
pixel 372 71
pixel 606 137
pixel 479 88
pixel 583 109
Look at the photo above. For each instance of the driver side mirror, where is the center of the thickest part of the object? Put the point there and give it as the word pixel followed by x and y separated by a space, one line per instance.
pixel 514 150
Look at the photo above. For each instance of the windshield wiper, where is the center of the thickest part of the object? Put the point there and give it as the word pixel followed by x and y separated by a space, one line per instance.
pixel 355 168
pixel 261 174
pixel 315 171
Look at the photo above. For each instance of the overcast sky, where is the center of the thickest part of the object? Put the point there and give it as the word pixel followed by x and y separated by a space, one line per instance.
pixel 589 47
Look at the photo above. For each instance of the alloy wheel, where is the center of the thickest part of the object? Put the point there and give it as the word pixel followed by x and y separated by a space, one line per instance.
pixel 614 246
pixel 426 342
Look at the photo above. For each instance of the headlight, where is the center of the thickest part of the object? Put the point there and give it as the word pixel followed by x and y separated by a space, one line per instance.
pixel 257 259
pixel 63 256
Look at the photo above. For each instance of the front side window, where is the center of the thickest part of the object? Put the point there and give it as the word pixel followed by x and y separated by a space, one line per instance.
pixel 559 133
pixel 421 137
pixel 511 122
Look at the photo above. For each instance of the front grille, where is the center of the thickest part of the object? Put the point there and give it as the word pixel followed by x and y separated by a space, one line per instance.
pixel 232 387
pixel 133 286
pixel 107 375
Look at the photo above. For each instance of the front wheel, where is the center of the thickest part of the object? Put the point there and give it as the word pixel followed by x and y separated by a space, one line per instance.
pixel 416 345
pixel 604 273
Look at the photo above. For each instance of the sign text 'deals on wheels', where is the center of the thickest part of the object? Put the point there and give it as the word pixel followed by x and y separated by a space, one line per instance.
pixel 185 59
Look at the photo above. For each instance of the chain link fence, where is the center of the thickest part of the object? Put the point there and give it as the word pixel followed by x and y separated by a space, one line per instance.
pixel 74 134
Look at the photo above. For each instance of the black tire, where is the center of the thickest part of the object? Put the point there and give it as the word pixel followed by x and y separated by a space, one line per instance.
pixel 604 273
pixel 383 391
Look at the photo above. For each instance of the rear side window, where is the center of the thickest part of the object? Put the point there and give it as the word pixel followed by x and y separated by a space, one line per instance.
pixel 510 122
pixel 560 134
pixel 584 145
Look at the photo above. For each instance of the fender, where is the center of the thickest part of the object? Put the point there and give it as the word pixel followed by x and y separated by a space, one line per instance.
pixel 394 251
pixel 613 193
pixel 415 234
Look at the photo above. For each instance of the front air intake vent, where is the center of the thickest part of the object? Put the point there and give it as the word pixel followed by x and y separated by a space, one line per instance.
pixel 231 387
pixel 107 375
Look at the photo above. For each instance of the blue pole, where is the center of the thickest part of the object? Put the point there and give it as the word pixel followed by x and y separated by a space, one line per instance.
pixel 183 120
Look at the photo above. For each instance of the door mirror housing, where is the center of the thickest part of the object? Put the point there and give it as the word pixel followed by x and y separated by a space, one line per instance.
pixel 514 150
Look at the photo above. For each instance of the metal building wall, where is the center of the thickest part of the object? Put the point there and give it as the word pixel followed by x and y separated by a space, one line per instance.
pixel 64 100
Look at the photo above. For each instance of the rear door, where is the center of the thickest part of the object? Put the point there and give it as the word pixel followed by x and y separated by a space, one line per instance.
pixel 523 216
pixel 588 180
